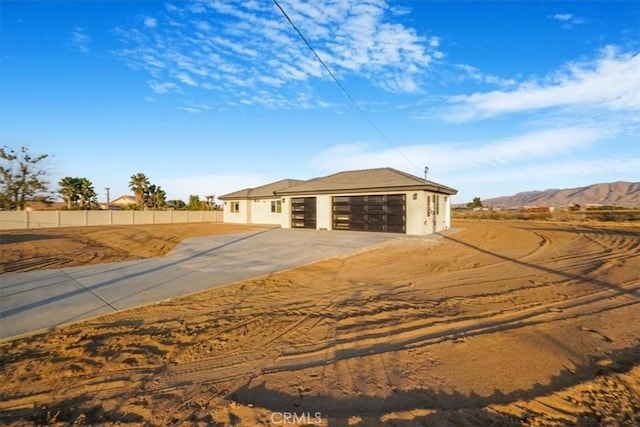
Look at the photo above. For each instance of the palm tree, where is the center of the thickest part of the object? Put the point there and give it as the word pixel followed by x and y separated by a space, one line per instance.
pixel 69 190
pixel 159 197
pixel 139 184
pixel 86 192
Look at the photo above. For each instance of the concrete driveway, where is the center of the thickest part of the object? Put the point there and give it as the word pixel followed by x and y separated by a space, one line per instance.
pixel 45 299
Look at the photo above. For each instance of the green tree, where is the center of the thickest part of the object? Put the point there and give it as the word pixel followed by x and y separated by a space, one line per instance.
pixel 155 197
pixel 21 177
pixel 68 189
pixel 86 193
pixel 139 184
pixel 195 204
pixel 476 203
pixel 77 192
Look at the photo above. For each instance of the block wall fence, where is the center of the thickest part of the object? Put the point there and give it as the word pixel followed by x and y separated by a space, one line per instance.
pixel 21 220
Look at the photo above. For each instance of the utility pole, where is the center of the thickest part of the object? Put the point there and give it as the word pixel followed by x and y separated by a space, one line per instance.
pixel 107 188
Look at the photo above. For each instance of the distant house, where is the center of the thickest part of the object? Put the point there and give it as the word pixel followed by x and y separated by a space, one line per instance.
pixel 120 202
pixel 43 206
pixel 539 209
pixel 383 199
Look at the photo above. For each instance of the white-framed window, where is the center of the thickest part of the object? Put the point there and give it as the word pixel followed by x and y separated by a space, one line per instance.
pixel 235 206
pixel 276 206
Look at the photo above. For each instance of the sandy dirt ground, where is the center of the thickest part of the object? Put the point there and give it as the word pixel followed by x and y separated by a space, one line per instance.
pixel 26 250
pixel 502 323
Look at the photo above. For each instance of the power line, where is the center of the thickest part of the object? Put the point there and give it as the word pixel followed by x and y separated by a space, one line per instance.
pixel 353 101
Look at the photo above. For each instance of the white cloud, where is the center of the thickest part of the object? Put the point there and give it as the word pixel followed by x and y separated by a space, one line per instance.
pixel 186 79
pixel 80 40
pixel 192 110
pixel 568 19
pixel 563 169
pixel 473 73
pixel 457 156
pixel 612 82
pixel 236 44
pixel 563 16
pixel 150 22
pixel 534 160
pixel 162 88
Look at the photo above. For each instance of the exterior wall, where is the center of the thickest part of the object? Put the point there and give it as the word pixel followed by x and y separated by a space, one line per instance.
pixel 441 216
pixel 421 217
pixel 73 219
pixel 42 219
pixel 285 219
pixel 162 217
pixel 126 219
pixel 324 207
pixel 417 221
pixel 241 217
pixel 144 217
pixel 261 212
pixel 99 217
pixel 437 214
pixel 447 218
pixel 21 220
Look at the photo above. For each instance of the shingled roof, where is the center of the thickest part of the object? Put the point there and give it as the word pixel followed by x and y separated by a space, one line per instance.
pixel 262 192
pixel 366 180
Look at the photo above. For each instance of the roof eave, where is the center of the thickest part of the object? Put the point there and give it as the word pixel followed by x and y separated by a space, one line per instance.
pixel 434 188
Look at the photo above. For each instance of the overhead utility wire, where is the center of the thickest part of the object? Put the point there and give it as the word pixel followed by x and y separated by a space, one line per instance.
pixel 353 101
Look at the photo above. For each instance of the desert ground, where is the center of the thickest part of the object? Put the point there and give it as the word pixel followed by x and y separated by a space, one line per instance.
pixel 501 323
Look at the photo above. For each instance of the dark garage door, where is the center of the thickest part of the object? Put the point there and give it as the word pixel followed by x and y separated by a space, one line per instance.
pixel 303 212
pixel 370 213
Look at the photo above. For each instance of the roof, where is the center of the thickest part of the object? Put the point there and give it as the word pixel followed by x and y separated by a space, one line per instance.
pixel 123 199
pixel 366 180
pixel 262 192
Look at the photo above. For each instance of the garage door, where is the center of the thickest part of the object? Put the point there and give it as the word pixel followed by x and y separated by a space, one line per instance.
pixel 370 213
pixel 303 212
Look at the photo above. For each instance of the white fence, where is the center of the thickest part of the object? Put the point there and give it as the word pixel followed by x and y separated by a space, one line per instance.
pixel 20 220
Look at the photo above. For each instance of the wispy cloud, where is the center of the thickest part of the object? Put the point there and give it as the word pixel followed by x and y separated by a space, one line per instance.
pixel 536 158
pixel 610 82
pixel 568 19
pixel 475 74
pixel 464 155
pixel 236 46
pixel 163 87
pixel 559 169
pixel 150 22
pixel 195 108
pixel 80 40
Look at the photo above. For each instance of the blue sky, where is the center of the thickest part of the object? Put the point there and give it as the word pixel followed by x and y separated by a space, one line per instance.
pixel 495 97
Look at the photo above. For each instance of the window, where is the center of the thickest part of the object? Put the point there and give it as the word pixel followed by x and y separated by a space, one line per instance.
pixel 436 199
pixel 235 206
pixel 276 206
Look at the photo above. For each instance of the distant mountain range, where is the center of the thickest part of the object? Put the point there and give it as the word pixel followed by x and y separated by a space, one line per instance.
pixel 619 193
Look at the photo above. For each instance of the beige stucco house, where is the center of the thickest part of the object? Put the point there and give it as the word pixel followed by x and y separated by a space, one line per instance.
pixel 121 202
pixel 383 199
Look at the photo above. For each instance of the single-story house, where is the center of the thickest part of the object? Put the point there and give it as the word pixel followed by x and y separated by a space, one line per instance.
pixel 120 202
pixel 382 199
